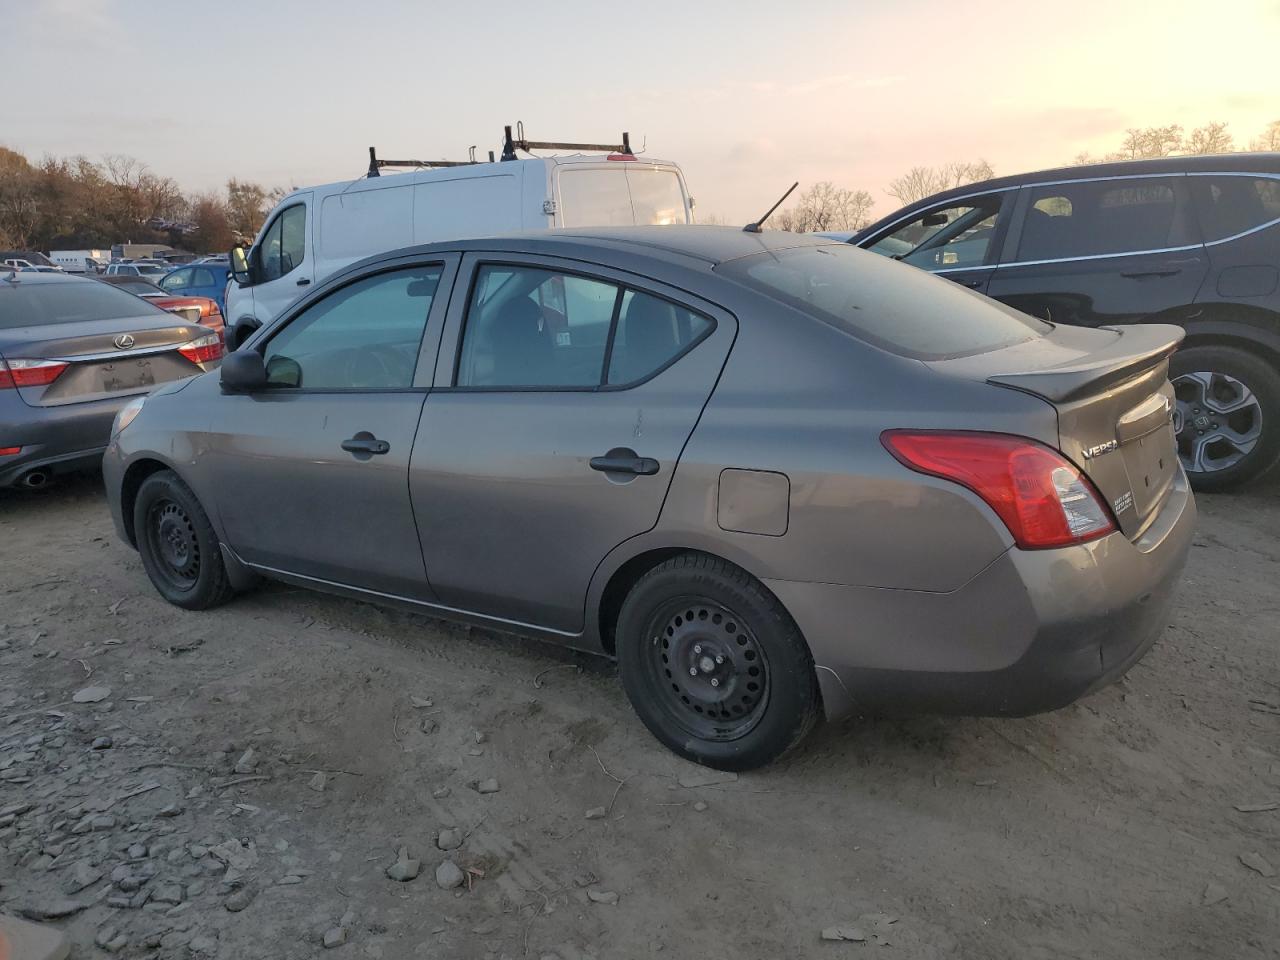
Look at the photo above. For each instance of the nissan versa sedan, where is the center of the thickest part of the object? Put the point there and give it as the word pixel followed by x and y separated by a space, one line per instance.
pixel 778 478
pixel 72 352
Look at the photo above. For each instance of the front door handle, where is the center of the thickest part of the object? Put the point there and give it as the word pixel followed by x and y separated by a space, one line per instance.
pixel 971 283
pixel 625 460
pixel 304 281
pixel 365 444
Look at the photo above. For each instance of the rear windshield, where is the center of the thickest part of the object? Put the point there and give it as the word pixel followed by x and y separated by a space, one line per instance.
pixel 621 194
pixel 896 307
pixel 37 304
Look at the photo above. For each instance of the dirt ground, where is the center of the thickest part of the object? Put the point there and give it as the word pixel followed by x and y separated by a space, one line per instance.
pixel 1112 828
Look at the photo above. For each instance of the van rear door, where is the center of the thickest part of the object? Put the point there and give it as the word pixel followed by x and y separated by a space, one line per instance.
pixel 620 193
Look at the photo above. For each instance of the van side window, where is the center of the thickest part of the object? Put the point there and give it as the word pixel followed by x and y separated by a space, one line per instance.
pixel 283 245
pixel 1232 205
pixel 651 333
pixel 530 327
pixel 1104 217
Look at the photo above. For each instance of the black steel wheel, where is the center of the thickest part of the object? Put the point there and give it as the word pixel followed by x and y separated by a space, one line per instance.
pixel 713 664
pixel 177 544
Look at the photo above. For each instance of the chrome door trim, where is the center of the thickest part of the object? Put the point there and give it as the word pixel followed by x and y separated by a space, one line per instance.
pixel 1101 256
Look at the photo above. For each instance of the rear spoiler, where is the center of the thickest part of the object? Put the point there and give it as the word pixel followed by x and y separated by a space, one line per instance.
pixel 1137 348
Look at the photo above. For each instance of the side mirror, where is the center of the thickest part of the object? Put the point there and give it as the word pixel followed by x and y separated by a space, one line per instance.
pixel 243 372
pixel 240 266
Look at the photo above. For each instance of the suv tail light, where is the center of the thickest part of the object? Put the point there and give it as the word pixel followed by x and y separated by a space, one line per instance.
pixel 29 373
pixel 1041 497
pixel 203 349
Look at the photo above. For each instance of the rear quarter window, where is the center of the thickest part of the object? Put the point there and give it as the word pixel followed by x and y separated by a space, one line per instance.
pixel 1231 205
pixel 891 305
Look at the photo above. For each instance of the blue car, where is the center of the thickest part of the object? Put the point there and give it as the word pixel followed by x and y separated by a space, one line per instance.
pixel 199 280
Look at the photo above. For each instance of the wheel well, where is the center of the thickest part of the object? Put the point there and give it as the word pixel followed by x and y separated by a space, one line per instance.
pixel 1241 326
pixel 1248 343
pixel 620 584
pixel 138 471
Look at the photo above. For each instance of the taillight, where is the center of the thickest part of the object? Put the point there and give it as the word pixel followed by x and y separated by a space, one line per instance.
pixel 1041 497
pixel 29 373
pixel 203 349
pixel 10 451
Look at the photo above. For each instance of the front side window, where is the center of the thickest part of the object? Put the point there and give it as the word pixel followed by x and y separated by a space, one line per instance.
pixel 945 237
pixel 1104 217
pixel 364 336
pixel 283 246
pixel 1233 205
pixel 529 327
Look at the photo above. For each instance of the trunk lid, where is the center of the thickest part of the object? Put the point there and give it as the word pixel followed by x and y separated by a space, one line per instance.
pixel 104 358
pixel 1110 388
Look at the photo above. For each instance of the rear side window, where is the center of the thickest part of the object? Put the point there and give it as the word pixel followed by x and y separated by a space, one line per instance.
pixel 532 327
pixel 1104 217
pixel 898 308
pixel 1232 205
pixel 38 304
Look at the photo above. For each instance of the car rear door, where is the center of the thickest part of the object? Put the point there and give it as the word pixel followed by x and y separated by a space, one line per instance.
pixel 957 239
pixel 564 395
pixel 1102 251
pixel 311 472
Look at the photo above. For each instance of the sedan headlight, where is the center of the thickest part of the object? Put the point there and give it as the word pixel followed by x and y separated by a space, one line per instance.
pixel 127 415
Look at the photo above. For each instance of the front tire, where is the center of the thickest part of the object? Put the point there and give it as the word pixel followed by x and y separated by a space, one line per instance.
pixel 177 544
pixel 713 664
pixel 1228 415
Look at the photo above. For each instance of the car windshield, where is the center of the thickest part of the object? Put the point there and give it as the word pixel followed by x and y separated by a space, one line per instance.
pixel 151 269
pixel 37 304
pixel 895 307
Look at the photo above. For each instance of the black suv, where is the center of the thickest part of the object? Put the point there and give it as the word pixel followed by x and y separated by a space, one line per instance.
pixel 1188 240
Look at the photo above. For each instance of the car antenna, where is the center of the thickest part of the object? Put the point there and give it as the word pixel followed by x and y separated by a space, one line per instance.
pixel 755 227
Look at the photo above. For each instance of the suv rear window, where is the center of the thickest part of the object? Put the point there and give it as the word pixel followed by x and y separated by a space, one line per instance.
pixel 1230 205
pixel 37 304
pixel 896 307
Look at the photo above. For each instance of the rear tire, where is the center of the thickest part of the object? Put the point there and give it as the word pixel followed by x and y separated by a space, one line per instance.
pixel 1228 415
pixel 177 544
pixel 713 664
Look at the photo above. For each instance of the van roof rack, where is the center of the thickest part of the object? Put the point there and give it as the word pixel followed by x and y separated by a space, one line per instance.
pixel 376 165
pixel 510 144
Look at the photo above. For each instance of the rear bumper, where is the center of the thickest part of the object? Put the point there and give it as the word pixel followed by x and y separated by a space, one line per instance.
pixel 64 437
pixel 1034 631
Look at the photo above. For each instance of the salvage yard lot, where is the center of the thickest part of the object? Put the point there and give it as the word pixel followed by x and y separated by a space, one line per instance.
pixel 1112 828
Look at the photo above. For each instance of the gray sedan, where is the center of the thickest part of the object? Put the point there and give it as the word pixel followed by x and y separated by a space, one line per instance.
pixel 72 353
pixel 775 477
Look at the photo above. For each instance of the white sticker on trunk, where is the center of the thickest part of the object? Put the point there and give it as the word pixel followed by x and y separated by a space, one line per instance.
pixel 1123 502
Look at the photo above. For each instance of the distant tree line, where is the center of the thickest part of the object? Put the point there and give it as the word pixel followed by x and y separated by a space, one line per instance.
pixel 1146 143
pixel 74 202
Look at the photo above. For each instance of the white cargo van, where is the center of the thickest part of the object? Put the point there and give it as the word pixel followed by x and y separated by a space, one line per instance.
pixel 79 261
pixel 316 231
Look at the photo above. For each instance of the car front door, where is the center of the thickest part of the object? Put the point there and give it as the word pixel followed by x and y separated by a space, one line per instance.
pixel 283 260
pixel 312 471
pixel 1095 252
pixel 956 239
pixel 563 398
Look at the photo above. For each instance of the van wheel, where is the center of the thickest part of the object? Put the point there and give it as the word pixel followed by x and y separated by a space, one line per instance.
pixel 1227 417
pixel 178 546
pixel 713 664
pixel 240 333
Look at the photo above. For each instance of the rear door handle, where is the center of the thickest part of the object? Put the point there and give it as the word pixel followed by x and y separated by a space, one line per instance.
pixel 625 460
pixel 366 445
pixel 1140 274
pixel 304 281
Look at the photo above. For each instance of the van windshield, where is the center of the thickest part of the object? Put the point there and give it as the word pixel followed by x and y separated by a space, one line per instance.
pixel 620 195
pixel 898 308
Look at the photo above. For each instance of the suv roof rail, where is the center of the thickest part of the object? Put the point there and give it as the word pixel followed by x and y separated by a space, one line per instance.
pixel 376 165
pixel 510 144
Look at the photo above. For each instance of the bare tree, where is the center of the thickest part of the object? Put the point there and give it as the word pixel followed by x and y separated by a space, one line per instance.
pixel 246 206
pixel 1150 142
pixel 1270 139
pixel 824 206
pixel 1211 138
pixel 920 182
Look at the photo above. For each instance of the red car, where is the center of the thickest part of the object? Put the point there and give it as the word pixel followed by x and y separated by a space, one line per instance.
pixel 202 310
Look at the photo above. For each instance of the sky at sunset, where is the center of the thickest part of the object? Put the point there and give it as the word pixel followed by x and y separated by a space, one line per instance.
pixel 746 96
